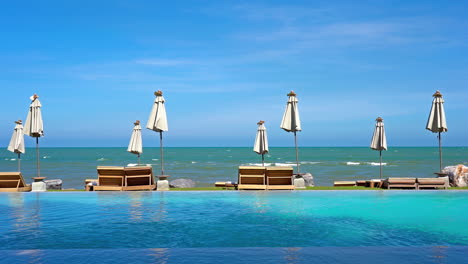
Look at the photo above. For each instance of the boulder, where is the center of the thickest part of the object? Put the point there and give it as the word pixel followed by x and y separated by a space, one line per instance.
pixel 53 184
pixel 308 179
pixel 458 175
pixel 182 183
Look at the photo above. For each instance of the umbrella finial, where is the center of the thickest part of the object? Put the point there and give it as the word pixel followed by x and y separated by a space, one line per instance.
pixel 437 94
pixel 137 122
pixel 19 122
pixel 292 93
pixel 158 93
pixel 379 119
pixel 261 122
pixel 33 97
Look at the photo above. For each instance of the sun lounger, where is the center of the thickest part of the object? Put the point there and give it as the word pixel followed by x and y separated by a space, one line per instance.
pixel 279 178
pixel 400 183
pixel 374 183
pixel 110 178
pixel 90 183
pixel 251 178
pixel 441 182
pixel 344 183
pixel 361 183
pixel 139 178
pixel 226 185
pixel 13 182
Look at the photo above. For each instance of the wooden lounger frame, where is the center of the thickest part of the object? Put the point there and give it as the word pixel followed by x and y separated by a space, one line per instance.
pixel 344 183
pixel 432 183
pixel 251 178
pixel 400 183
pixel 279 178
pixel 13 182
pixel 112 178
pixel 139 178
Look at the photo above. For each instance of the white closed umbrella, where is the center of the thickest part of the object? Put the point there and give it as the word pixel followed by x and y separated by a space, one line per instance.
pixel 34 126
pixel 261 141
pixel 379 141
pixel 17 142
pixel 436 122
pixel 291 121
pixel 158 122
pixel 136 144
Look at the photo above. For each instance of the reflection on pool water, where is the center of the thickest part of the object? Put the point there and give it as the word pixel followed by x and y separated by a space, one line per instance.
pixel 281 224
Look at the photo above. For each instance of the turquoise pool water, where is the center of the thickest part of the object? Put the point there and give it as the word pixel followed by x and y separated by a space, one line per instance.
pixel 48 224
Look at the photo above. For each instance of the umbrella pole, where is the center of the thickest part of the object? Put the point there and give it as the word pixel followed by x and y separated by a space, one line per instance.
pixel 19 162
pixel 37 157
pixel 138 159
pixel 380 164
pixel 440 152
pixel 161 150
pixel 297 153
pixel 263 159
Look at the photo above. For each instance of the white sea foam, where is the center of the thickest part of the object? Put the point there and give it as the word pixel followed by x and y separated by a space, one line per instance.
pixel 259 164
pixel 101 159
pixel 46 157
pixel 193 162
pixel 310 162
pixel 154 159
pixel 285 164
pixel 136 164
pixel 376 163
pixel 351 163
pixel 12 159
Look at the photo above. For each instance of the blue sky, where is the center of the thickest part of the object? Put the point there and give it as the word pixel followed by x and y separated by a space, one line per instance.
pixel 224 65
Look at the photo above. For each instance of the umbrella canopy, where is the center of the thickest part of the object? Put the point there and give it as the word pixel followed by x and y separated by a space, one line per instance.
pixel 291 121
pixel 136 144
pixel 436 122
pixel 157 121
pixel 379 141
pixel 17 139
pixel 17 142
pixel 261 141
pixel 34 126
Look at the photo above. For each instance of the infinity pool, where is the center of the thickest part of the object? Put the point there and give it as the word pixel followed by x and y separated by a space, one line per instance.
pixel 279 224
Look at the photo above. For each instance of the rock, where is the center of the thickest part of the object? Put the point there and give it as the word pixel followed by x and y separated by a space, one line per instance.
pixel 53 184
pixel 308 179
pixel 182 183
pixel 458 175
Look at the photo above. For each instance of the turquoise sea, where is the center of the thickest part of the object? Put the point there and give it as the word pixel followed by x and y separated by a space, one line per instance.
pixel 207 165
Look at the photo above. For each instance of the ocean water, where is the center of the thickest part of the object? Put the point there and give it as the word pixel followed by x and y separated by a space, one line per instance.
pixel 207 165
pixel 266 227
